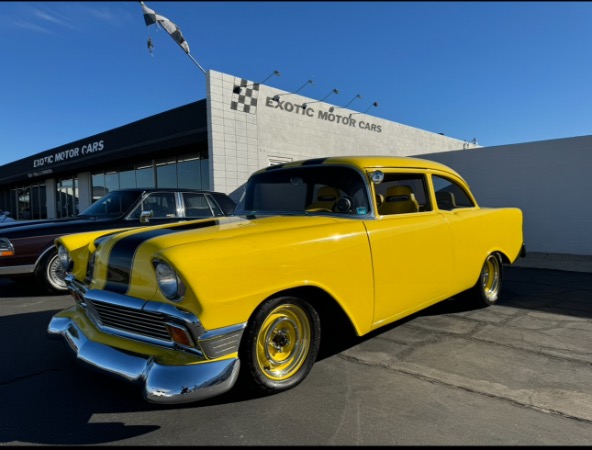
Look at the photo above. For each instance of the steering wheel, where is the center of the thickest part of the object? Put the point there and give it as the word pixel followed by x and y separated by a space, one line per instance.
pixel 343 205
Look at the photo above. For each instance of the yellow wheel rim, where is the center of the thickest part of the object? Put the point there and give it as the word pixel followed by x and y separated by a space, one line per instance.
pixel 283 342
pixel 490 277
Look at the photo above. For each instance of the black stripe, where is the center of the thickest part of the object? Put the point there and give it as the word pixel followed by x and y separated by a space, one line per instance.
pixel 122 254
pixel 313 162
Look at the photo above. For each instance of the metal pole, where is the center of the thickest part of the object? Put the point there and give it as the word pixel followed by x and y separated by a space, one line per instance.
pixel 196 63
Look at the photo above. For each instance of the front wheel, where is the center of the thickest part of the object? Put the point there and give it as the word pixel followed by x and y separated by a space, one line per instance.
pixel 50 274
pixel 489 284
pixel 280 346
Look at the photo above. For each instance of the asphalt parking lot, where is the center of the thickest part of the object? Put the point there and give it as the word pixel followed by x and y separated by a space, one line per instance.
pixel 517 373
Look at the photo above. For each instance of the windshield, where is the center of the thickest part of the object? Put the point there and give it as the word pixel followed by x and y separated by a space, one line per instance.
pixel 113 204
pixel 305 190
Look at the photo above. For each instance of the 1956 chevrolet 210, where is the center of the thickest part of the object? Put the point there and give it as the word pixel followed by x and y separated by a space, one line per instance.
pixel 186 310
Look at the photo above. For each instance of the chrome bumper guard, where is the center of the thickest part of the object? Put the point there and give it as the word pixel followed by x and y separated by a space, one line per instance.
pixel 161 383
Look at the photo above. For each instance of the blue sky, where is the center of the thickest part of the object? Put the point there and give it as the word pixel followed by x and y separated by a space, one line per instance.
pixel 500 72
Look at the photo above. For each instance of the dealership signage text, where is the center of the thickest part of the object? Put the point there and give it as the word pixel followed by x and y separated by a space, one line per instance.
pixel 72 153
pixel 328 116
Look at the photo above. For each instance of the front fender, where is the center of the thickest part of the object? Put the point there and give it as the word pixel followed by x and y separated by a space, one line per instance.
pixel 228 279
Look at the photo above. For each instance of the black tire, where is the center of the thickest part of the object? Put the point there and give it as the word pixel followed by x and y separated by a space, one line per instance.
pixel 489 285
pixel 280 345
pixel 49 274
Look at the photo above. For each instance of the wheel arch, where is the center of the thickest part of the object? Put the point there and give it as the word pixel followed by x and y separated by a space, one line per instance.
pixel 43 254
pixel 330 311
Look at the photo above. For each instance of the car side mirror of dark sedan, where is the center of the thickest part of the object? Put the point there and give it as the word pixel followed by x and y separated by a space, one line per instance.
pixel 145 216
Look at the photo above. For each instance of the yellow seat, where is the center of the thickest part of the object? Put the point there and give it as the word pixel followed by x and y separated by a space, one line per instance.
pixel 399 200
pixel 379 199
pixel 326 198
pixel 445 200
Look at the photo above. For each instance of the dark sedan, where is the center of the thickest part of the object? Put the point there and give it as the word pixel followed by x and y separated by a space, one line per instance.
pixel 27 247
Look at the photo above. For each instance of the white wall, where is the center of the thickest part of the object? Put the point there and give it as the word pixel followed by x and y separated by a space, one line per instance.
pixel 549 180
pixel 242 140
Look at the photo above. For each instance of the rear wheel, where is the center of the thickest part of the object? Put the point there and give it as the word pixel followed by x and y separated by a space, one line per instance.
pixel 280 346
pixel 488 286
pixel 50 274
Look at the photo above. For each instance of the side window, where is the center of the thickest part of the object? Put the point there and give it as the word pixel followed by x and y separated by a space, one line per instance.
pixel 162 204
pixel 401 193
pixel 197 206
pixel 450 195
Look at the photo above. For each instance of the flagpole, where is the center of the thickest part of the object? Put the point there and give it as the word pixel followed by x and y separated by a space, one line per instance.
pixel 196 63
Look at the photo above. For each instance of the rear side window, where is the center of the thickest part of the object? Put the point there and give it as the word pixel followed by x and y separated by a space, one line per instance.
pixel 225 202
pixel 450 195
pixel 196 205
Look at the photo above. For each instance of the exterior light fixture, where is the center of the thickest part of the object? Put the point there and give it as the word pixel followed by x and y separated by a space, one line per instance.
pixel 373 105
pixel 238 89
pixel 276 97
pixel 343 107
pixel 275 72
pixel 334 91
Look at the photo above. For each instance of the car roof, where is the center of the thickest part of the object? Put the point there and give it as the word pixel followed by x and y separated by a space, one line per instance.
pixel 165 190
pixel 370 162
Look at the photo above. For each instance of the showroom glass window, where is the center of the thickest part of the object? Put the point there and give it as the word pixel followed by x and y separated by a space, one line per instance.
pixel 26 202
pixel 187 171
pixel 67 197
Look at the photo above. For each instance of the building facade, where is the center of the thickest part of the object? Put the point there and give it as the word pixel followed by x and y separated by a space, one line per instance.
pixel 242 126
pixel 214 143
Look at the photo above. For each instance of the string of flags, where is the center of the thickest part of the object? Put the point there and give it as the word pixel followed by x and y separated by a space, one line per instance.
pixel 151 18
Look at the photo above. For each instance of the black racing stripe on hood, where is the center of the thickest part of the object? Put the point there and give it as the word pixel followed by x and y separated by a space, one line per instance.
pixel 312 162
pixel 123 252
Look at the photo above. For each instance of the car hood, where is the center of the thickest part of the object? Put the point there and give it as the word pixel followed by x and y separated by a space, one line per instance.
pixel 131 251
pixel 175 234
pixel 52 226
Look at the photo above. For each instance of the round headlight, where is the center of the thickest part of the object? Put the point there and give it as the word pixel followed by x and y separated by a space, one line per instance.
pixel 168 281
pixel 64 258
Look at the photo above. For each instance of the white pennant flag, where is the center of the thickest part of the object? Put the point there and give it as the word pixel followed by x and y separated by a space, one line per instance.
pixel 150 17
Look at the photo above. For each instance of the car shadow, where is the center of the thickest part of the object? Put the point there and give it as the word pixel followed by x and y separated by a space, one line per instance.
pixel 49 399
pixel 341 339
pixel 543 290
pixel 22 287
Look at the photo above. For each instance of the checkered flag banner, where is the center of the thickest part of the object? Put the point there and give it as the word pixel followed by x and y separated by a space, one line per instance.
pixel 244 97
pixel 150 17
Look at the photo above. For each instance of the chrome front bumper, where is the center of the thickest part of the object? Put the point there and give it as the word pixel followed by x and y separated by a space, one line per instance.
pixel 161 384
pixel 212 368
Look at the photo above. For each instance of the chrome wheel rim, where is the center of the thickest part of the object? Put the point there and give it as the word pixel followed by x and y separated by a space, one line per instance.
pixel 283 342
pixel 490 277
pixel 56 273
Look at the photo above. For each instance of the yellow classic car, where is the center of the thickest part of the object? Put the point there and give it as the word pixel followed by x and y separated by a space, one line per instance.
pixel 186 310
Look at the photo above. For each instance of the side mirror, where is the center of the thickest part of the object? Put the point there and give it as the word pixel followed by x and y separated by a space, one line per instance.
pixel 377 176
pixel 145 216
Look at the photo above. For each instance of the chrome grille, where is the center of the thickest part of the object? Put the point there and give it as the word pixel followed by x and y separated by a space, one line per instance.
pixel 150 324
